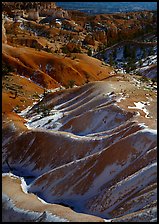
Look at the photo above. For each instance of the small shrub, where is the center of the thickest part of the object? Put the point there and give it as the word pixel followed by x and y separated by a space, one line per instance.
pixel 140 62
pixel 76 50
pixel 49 121
pixel 6 69
pixel 43 110
pixel 65 50
pixel 144 79
pixel 47 49
pixel 87 77
pixel 111 60
pixel 89 52
pixel 70 83
pixel 74 57
pixel 16 109
pixel 127 52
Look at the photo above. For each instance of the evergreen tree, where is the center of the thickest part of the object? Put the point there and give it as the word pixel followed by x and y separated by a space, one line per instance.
pixel 144 54
pixel 114 53
pixel 133 54
pixel 71 83
pixel 89 52
pixel 140 62
pixel 111 61
pixel 7 69
pixel 130 65
pixel 151 51
pixel 127 51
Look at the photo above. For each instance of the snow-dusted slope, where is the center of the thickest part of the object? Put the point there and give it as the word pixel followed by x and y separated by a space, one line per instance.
pixel 89 148
pixel 89 182
pixel 19 206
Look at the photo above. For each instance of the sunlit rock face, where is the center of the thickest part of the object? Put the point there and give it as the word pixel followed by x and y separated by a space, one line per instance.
pixel 100 36
pixel 55 12
pixel 34 9
pixel 89 39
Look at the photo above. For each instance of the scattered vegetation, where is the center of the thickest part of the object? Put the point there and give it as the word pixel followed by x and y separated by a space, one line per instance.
pixel 76 50
pixel 49 121
pixel 151 51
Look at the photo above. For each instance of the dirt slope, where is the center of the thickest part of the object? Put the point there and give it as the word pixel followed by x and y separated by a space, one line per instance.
pixel 49 70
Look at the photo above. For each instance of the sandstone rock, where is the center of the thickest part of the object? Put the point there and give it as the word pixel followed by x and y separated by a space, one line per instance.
pixel 19 13
pixel 33 14
pixel 89 39
pixel 54 12
pixel 4 37
pixel 73 47
pixel 100 36
pixel 112 32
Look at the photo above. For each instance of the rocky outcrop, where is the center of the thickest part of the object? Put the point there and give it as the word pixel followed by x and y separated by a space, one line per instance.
pixel 118 27
pixel 72 47
pixel 112 33
pixel 100 36
pixel 4 37
pixel 55 12
pixel 29 42
pixel 19 13
pixel 89 39
pixel 28 5
pixel 34 9
pixel 33 14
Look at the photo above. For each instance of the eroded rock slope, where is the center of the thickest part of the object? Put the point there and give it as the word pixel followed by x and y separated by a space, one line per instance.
pixel 92 148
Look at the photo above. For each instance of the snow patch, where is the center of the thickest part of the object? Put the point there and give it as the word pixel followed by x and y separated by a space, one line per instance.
pixel 107 220
pixel 24 112
pixel 24 185
pixel 141 106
